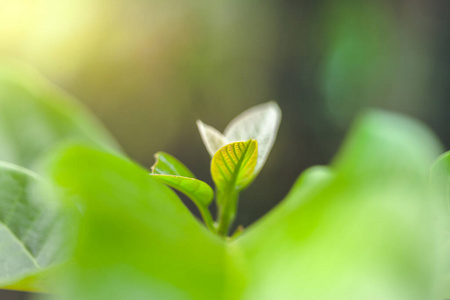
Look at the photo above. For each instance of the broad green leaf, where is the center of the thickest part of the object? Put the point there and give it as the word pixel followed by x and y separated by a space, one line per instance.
pixel 31 229
pixel 260 123
pixel 212 138
pixel 365 229
pixel 137 240
pixel 36 116
pixel 233 166
pixel 166 164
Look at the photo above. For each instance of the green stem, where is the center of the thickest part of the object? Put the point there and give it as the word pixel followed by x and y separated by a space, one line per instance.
pixel 207 218
pixel 227 206
pixel 237 233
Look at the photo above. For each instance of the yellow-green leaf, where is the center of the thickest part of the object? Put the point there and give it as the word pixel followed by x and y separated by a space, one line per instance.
pixel 233 166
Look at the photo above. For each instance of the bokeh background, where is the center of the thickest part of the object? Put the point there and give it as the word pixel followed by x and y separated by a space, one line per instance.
pixel 149 68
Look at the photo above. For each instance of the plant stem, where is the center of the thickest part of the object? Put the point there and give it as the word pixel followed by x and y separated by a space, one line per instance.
pixel 207 218
pixel 237 233
pixel 227 206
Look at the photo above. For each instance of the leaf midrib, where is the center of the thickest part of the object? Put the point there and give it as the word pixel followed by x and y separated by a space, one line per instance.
pixel 21 243
pixel 240 162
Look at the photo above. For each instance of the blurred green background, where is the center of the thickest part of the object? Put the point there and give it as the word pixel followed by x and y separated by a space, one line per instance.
pixel 149 68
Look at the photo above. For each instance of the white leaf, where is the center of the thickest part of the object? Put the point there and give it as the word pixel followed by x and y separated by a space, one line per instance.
pixel 261 123
pixel 212 138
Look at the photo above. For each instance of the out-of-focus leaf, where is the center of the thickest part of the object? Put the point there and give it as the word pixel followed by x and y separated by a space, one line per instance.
pixel 440 176
pixel 35 116
pixel 260 123
pixel 212 138
pixel 31 229
pixel 45 281
pixel 137 240
pixel 166 164
pixel 363 230
pixel 233 166
pixel 440 180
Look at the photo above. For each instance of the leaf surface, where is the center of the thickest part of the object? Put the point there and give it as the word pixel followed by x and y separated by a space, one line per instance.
pixel 261 123
pixel 363 228
pixel 166 164
pixel 440 176
pixel 170 171
pixel 212 138
pixel 440 180
pixel 233 165
pixel 31 228
pixel 198 191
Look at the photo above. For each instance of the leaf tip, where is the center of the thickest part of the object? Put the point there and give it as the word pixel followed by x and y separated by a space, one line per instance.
pixel 153 167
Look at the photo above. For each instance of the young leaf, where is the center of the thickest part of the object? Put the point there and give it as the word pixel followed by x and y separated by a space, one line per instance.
pixel 232 169
pixel 212 138
pixel 166 164
pixel 233 166
pixel 31 228
pixel 170 171
pixel 260 123
pixel 199 192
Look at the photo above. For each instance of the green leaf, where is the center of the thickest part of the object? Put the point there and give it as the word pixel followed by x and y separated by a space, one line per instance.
pixel 440 180
pixel 260 122
pixel 199 192
pixel 166 164
pixel 366 227
pixel 31 229
pixel 36 116
pixel 233 166
pixel 169 170
pixel 440 175
pixel 45 281
pixel 137 240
